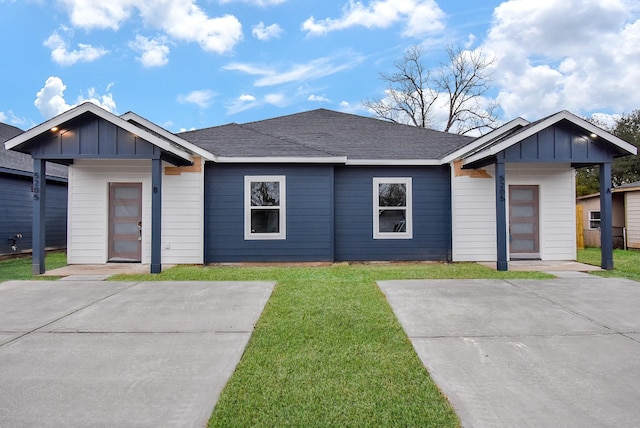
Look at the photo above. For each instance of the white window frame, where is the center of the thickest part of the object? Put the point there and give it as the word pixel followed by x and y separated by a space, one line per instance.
pixel 248 234
pixel 591 219
pixel 408 233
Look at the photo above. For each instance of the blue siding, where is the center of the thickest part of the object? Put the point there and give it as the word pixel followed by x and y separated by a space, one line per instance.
pixel 431 215
pixel 309 215
pixel 16 213
pixel 559 143
pixel 92 137
pixel 329 215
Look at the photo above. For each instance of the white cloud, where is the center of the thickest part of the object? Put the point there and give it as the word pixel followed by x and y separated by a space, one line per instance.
pixel 97 13
pixel 242 103
pixel 580 55
pixel 202 98
pixel 318 98
pixel 153 52
pixel 181 19
pixel 20 122
pixel 278 100
pixel 246 98
pixel 421 17
pixel 314 69
pixel 61 54
pixel 50 100
pixel 264 33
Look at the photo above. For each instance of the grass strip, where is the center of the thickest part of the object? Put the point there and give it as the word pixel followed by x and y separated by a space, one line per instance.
pixel 626 263
pixel 20 267
pixel 328 350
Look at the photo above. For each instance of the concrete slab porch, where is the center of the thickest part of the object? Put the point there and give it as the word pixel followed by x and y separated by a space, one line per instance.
pixel 99 272
pixel 546 266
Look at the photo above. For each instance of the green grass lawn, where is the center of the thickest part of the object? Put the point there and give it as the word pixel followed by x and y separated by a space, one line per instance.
pixel 20 266
pixel 328 350
pixel 626 263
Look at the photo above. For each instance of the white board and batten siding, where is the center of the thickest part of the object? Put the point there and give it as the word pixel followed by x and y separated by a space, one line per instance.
pixel 88 211
pixel 632 221
pixel 473 210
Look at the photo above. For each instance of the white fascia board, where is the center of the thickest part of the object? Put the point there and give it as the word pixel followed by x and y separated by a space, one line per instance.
pixel 478 142
pixel 102 113
pixel 170 136
pixel 394 162
pixel 284 159
pixel 551 120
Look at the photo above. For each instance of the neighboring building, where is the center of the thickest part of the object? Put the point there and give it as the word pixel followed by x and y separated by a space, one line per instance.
pixel 16 207
pixel 625 214
pixel 317 186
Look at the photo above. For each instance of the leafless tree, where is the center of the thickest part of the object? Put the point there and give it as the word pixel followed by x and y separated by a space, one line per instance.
pixel 414 93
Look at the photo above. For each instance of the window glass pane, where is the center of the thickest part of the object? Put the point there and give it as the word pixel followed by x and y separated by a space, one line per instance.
pixel 265 194
pixel 595 215
pixel 392 195
pixel 265 221
pixel 522 228
pixel 126 229
pixel 126 211
pixel 125 246
pixel 522 211
pixel 126 192
pixel 522 194
pixel 392 221
pixel 522 245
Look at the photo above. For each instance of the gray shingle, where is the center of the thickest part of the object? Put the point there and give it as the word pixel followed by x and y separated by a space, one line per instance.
pixel 321 133
pixel 10 159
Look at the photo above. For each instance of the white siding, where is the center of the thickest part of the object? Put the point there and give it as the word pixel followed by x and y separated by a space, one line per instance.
pixel 474 213
pixel 183 218
pixel 473 206
pixel 632 204
pixel 182 211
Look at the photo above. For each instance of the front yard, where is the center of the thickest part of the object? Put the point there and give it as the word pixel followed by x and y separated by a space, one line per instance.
pixel 327 349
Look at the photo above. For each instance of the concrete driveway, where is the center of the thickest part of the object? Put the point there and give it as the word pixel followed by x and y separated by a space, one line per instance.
pixel 120 354
pixel 527 353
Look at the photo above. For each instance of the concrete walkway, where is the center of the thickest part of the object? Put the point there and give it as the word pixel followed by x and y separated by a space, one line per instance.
pixel 120 354
pixel 527 353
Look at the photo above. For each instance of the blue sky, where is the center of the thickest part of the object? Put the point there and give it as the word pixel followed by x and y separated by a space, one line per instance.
pixel 187 64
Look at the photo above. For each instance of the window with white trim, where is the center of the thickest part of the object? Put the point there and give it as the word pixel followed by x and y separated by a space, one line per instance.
pixel 265 207
pixel 392 209
pixel 594 219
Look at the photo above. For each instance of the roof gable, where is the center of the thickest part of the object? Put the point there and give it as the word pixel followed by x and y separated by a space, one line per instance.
pixel 40 138
pixel 562 137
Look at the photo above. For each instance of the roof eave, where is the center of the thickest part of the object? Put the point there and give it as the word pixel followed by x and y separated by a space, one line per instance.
pixel 131 116
pixel 394 162
pixel 478 142
pixel 281 159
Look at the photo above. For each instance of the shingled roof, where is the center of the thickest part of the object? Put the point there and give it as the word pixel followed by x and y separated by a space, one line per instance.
pixel 326 133
pixel 20 162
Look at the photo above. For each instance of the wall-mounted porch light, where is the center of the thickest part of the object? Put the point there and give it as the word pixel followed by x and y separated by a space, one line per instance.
pixel 14 241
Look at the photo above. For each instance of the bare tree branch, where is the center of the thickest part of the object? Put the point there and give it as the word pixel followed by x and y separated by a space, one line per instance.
pixel 412 92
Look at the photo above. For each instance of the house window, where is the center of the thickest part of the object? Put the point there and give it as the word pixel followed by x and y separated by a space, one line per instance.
pixel 392 214
pixel 265 206
pixel 594 219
